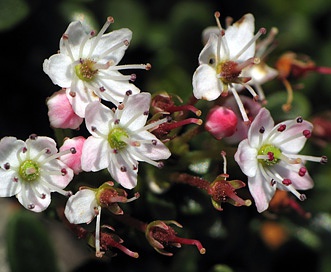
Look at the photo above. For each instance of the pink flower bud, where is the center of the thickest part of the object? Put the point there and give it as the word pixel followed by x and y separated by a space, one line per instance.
pixel 221 122
pixel 60 112
pixel 73 160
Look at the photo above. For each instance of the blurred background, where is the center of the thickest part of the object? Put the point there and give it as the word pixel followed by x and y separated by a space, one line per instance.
pixel 167 34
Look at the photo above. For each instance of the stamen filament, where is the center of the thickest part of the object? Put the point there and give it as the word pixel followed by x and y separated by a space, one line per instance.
pixel 98 253
pixel 152 125
pixel 240 105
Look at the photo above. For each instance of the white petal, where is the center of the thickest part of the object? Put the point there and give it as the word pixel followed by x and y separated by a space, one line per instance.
pixel 83 97
pixel 152 151
pixel 58 180
pixel 209 52
pixel 9 147
pixel 238 35
pixel 80 207
pixel 128 178
pixel 98 116
pixel 261 190
pixel 38 146
pixel 246 158
pixel 95 154
pixel 59 68
pixel 8 187
pixel 205 83
pixel 36 195
pixel 291 171
pixel 133 116
pixel 262 120
pixel 109 40
pixel 284 141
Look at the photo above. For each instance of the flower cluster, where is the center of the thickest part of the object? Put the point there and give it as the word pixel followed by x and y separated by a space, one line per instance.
pixel 126 127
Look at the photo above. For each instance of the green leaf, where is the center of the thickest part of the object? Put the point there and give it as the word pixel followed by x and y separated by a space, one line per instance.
pixel 28 245
pixel 12 12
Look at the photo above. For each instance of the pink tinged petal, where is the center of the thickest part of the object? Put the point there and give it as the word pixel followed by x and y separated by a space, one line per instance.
pixel 135 113
pixel 154 149
pixel 108 41
pixel 57 174
pixel 60 112
pixel 95 154
pixel 41 147
pixel 34 197
pixel 73 160
pixel 9 147
pixel 210 50
pixel 59 68
pixel 124 174
pixel 80 207
pixel 206 85
pixel 246 158
pixel 80 97
pixel 261 190
pixel 260 128
pixel 240 34
pixel 8 185
pixel 292 140
pixel 97 119
pixel 291 172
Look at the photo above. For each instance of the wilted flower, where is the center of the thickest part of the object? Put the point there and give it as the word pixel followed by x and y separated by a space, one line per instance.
pixel 86 204
pixel 120 139
pixel 270 159
pixel 223 60
pixel 159 234
pixel 87 65
pixel 31 170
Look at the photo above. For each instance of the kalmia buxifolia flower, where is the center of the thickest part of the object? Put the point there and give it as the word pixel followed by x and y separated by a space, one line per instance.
pixel 31 170
pixel 270 159
pixel 61 113
pixel 87 203
pixel 221 122
pixel 120 139
pixel 293 65
pixel 224 60
pixel 87 65
pixel 160 234
pixel 220 189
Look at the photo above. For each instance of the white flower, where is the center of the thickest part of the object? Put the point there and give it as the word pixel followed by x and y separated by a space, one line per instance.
pixel 120 139
pixel 31 171
pixel 86 65
pixel 270 159
pixel 223 60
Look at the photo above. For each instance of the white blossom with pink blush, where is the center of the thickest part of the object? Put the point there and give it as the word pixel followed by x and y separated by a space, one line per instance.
pixel 87 65
pixel 73 160
pixel 224 61
pixel 31 170
pixel 120 139
pixel 269 157
pixel 61 113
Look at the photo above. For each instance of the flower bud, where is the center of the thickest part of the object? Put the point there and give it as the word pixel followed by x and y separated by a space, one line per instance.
pixel 221 122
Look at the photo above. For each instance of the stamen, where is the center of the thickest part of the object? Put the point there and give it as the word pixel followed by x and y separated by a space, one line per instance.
pixel 98 253
pixel 97 38
pixel 86 38
pixel 152 125
pixel 217 16
pixel 251 90
pixel 240 105
pixel 281 128
pixel 146 66
pixel 257 35
pixel 302 171
pixel 6 166
pixel 223 154
pixel 65 39
pixel 286 182
pixel 246 63
pixel 322 159
pixel 71 150
pixel 306 133
pixel 111 49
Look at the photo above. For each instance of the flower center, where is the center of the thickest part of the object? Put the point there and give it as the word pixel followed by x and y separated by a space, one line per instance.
pixel 29 170
pixel 228 71
pixel 272 154
pixel 85 70
pixel 116 138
